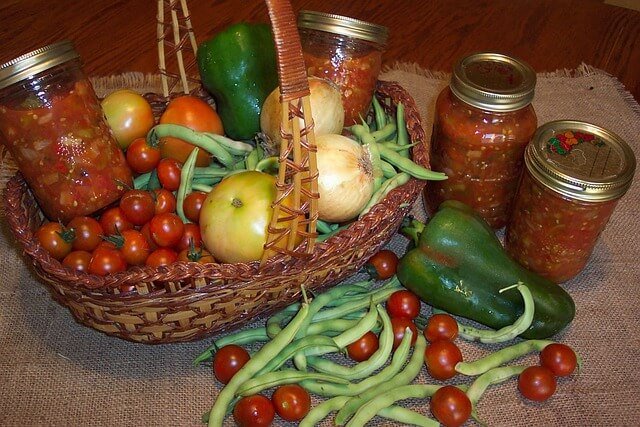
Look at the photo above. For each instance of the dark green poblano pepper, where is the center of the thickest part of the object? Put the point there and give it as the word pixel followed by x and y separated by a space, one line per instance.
pixel 459 266
pixel 238 68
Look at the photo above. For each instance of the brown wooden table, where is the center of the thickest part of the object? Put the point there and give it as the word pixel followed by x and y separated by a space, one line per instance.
pixel 119 36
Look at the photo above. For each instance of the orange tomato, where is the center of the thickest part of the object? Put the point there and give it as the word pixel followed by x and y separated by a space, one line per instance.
pixel 195 114
pixel 128 114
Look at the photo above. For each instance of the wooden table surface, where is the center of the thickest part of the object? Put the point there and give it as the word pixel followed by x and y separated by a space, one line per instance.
pixel 119 36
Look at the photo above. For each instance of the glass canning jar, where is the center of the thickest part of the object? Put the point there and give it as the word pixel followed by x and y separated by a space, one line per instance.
pixel 575 174
pixel 483 122
pixel 346 51
pixel 53 126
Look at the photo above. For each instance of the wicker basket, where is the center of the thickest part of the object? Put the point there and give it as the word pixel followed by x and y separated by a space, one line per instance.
pixel 188 301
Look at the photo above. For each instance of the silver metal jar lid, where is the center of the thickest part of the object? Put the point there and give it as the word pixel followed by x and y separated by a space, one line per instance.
pixel 343 25
pixel 580 160
pixel 494 82
pixel 35 62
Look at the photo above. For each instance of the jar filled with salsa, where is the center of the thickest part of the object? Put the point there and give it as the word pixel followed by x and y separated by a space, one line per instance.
pixel 483 121
pixel 346 51
pixel 575 174
pixel 53 126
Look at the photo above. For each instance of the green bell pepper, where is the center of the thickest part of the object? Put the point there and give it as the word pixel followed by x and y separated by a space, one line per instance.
pixel 238 68
pixel 459 266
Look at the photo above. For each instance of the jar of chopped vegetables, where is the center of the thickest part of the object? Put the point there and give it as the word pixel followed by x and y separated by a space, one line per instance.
pixel 346 51
pixel 483 122
pixel 53 126
pixel 575 174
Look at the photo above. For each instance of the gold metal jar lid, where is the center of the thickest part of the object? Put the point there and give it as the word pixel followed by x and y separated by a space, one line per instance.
pixel 494 82
pixel 343 25
pixel 35 62
pixel 580 160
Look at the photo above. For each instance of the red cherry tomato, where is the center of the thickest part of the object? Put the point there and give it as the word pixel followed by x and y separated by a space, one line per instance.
pixel 228 360
pixel 138 206
pixel 147 235
pixel 559 359
pixel 135 247
pixel 193 204
pixel 383 265
pixel 113 221
pixel 450 406
pixel 403 303
pixel 441 357
pixel 165 201
pixel 169 174
pixel 254 411
pixel 55 239
pixel 537 383
pixel 161 256
pixel 292 402
pixel 77 260
pixel 441 327
pixel 190 237
pixel 362 349
pixel 88 233
pixel 196 254
pixel 105 260
pixel 400 324
pixel 142 157
pixel 166 229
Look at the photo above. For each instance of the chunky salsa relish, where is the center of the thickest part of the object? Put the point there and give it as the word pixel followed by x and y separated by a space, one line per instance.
pixel 65 151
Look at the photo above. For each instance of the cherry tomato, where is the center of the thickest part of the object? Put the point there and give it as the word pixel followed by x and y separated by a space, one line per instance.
pixel 292 402
pixel 138 206
pixel 166 229
pixel 362 349
pixel 450 406
pixel 161 256
pixel 400 324
pixel 147 235
pixel 403 303
pixel 193 204
pixel 383 265
pixel 169 174
pixel 441 327
pixel 128 114
pixel 196 254
pixel 55 239
pixel 88 233
pixel 196 114
pixel 254 411
pixel 135 247
pixel 441 357
pixel 105 260
pixel 559 359
pixel 190 237
pixel 228 360
pixel 537 383
pixel 77 260
pixel 165 201
pixel 142 157
pixel 114 221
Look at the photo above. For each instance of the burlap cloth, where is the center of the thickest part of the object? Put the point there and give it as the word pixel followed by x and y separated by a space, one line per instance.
pixel 56 372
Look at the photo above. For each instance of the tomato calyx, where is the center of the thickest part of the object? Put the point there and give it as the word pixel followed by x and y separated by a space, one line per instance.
pixel 66 234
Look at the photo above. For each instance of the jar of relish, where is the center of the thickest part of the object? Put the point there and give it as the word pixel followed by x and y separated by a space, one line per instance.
pixel 483 122
pixel 346 51
pixel 575 173
pixel 53 126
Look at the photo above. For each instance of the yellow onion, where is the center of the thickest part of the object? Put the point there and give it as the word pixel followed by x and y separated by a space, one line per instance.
pixel 326 109
pixel 345 178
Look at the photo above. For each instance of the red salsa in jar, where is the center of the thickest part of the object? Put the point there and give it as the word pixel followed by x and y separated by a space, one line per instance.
pixel 53 126
pixel 483 121
pixel 346 51
pixel 575 174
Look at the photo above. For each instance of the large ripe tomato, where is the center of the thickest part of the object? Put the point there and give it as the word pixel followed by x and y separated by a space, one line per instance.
pixel 235 216
pixel 195 114
pixel 291 401
pixel 128 114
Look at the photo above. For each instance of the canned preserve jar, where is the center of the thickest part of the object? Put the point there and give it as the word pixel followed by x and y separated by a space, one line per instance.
pixel 483 121
pixel 575 174
pixel 52 125
pixel 346 51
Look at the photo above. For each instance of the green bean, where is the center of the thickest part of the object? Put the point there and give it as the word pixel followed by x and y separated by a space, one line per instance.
pixel 266 353
pixel 323 226
pixel 376 164
pixel 407 416
pixel 385 132
pixel 332 325
pixel 407 165
pixel 209 172
pixel 386 187
pixel 298 346
pixel 381 118
pixel 254 157
pixel 384 376
pixel 245 336
pixel 403 135
pixel 325 236
pixel 268 163
pixel 273 322
pixel 288 376
pixel 202 140
pixel 369 410
pixel 500 357
pixel 362 327
pixel 393 145
pixel 367 367
pixel 236 148
pixel 388 171
pixel 319 412
pixel 489 336
pixel 491 377
pixel 186 175
pixel 201 187
pixel 406 376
